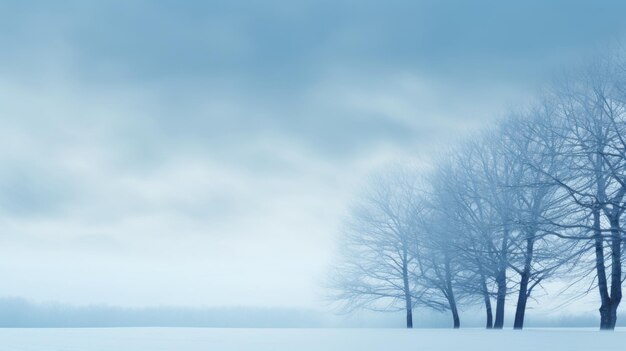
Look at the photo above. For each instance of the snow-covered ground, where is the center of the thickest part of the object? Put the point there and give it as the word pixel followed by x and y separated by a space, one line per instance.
pixel 193 339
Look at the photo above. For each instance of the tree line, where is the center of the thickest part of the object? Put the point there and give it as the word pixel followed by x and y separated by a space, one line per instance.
pixel 538 197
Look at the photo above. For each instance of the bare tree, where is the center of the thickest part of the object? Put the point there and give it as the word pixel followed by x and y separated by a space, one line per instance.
pixel 465 222
pixel 439 265
pixel 592 117
pixel 536 255
pixel 491 174
pixel 378 259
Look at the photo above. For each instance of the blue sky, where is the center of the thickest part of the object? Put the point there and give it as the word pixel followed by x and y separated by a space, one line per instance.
pixel 204 153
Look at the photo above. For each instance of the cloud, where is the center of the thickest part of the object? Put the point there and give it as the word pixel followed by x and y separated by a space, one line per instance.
pixel 204 153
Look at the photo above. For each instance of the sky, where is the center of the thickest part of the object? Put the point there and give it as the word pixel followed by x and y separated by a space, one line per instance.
pixel 204 153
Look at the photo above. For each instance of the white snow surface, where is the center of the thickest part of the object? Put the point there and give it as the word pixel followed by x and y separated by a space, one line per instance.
pixel 216 339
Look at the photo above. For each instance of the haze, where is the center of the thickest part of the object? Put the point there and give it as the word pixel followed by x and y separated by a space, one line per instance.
pixel 204 154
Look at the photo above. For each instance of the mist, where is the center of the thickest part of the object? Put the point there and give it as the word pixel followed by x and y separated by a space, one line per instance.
pixel 193 165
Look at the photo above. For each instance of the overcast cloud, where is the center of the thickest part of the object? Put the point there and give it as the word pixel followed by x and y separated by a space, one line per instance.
pixel 159 153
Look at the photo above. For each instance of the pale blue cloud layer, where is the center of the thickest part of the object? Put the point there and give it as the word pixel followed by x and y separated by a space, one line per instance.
pixel 224 139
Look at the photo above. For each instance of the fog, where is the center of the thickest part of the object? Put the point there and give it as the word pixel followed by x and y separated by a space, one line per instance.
pixel 19 313
pixel 203 155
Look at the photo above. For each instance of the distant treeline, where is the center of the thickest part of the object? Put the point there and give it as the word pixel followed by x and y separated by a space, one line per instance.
pixel 20 313
pixel 17 312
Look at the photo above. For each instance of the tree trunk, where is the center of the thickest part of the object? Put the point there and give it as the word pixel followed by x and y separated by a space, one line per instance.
pixel 409 311
pixel 450 295
pixel 407 296
pixel 500 300
pixel 616 270
pixel 487 298
pixel 456 322
pixel 501 282
pixel 605 306
pixel 409 316
pixel 609 302
pixel 522 298
pixel 488 310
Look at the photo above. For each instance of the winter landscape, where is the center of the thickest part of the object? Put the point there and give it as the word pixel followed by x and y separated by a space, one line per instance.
pixel 312 175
